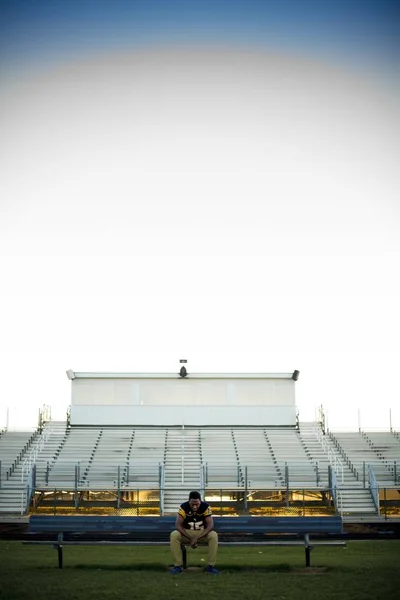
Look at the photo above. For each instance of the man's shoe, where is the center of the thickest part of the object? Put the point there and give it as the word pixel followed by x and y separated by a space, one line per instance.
pixel 212 570
pixel 176 570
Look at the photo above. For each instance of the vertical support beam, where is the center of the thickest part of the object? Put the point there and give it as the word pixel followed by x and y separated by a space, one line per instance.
pixel 245 490
pixel 384 495
pixel 76 486
pixel 184 556
pixel 307 549
pixel 60 550
pixel 287 484
pixel 119 486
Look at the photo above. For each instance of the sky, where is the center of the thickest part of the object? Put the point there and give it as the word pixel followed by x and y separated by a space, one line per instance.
pixel 215 181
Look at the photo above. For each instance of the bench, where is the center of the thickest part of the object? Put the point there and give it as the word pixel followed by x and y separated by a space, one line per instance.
pixel 60 531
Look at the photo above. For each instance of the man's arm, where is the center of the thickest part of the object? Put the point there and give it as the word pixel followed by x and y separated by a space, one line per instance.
pixel 209 527
pixel 179 526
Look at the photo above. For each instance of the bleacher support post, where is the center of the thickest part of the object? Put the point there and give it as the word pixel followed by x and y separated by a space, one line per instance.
pixel 287 484
pixel 384 497
pixel 76 499
pixel 245 489
pixel 308 550
pixel 60 550
pixel 119 487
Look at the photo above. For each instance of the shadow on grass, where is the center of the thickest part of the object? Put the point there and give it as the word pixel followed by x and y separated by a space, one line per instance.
pixel 276 568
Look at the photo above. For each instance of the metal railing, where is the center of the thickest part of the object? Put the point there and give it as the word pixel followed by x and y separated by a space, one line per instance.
pixel 373 486
pixel 161 471
pixel 224 501
pixel 7 472
pixel 334 460
pixel 333 485
pixel 31 458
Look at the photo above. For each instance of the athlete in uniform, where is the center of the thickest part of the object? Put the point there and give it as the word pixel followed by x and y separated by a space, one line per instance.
pixel 194 525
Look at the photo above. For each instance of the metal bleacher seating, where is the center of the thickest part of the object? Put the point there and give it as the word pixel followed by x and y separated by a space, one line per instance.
pixel 291 453
pixel 108 463
pixel 361 451
pixel 219 457
pixel 256 458
pixel 102 458
pixel 73 460
pixel 146 455
pixel 12 445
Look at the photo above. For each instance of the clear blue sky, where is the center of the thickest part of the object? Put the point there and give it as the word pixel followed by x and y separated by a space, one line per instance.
pixel 359 32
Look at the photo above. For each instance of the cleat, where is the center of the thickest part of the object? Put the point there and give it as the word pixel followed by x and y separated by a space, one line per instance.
pixel 176 571
pixel 212 570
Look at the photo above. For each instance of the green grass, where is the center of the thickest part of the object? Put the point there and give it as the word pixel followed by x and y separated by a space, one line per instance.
pixel 364 570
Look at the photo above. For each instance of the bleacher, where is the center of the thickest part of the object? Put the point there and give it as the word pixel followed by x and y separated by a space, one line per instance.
pixel 219 456
pixel 147 453
pixel 360 450
pixel 288 450
pixel 229 458
pixel 13 444
pixel 257 458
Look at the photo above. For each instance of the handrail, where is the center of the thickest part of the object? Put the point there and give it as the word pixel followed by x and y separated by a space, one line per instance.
pixel 332 457
pixel 183 457
pixel 30 460
pixel 334 489
pixel 162 487
pixel 374 488
pixel 202 480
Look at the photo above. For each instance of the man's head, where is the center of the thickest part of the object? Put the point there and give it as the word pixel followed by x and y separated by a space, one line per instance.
pixel 194 501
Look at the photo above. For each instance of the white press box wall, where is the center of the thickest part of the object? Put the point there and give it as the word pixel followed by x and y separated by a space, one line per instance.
pixel 168 399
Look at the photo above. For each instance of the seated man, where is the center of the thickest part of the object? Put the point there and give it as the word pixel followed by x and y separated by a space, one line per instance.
pixel 194 525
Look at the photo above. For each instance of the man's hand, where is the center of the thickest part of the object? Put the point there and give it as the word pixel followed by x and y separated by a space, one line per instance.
pixel 193 542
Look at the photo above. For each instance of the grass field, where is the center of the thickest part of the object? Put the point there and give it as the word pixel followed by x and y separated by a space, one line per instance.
pixel 366 570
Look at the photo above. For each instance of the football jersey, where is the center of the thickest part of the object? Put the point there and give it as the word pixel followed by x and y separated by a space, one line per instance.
pixel 193 520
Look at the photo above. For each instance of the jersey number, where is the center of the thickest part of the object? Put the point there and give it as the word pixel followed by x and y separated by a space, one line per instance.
pixel 196 526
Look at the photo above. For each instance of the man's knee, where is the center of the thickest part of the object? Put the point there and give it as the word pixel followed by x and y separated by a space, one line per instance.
pixel 175 536
pixel 212 536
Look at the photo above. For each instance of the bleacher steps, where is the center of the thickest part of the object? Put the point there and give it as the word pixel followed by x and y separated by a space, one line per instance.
pixel 13 500
pixel 357 502
pixel 182 466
